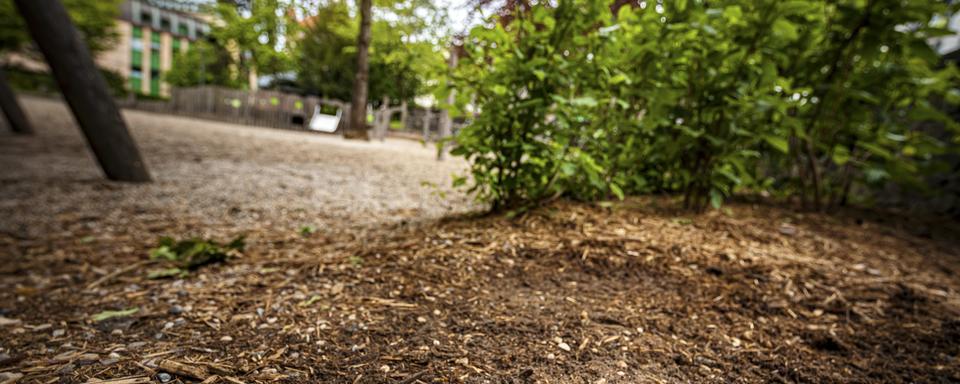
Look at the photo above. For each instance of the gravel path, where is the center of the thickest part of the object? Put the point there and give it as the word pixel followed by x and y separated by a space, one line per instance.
pixel 214 175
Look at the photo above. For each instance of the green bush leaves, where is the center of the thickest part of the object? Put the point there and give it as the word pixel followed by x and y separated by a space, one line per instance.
pixel 809 98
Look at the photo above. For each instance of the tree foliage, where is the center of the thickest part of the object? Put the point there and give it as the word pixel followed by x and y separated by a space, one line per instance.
pixel 249 36
pixel 205 63
pixel 94 20
pixel 403 64
pixel 809 98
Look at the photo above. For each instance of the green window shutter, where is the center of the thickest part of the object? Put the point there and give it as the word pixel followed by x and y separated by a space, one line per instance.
pixel 137 32
pixel 135 84
pixel 154 86
pixel 176 46
pixel 155 37
pixel 155 59
pixel 136 59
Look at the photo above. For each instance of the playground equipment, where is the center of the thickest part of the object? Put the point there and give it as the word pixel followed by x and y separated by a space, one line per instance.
pixel 324 123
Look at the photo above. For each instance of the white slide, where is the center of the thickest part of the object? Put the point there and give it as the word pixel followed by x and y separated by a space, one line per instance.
pixel 324 123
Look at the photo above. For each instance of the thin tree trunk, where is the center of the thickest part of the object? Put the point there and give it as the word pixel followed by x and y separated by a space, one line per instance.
pixel 11 109
pixel 427 117
pixel 446 121
pixel 84 89
pixel 814 173
pixel 358 123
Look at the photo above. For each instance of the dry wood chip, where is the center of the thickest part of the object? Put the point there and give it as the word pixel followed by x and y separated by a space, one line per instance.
pixel 182 369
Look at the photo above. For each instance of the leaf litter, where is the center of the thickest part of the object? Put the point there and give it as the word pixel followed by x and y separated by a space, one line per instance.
pixel 564 293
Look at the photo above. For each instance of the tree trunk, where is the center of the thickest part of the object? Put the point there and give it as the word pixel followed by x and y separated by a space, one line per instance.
pixel 84 89
pixel 358 123
pixel 446 121
pixel 11 109
pixel 427 116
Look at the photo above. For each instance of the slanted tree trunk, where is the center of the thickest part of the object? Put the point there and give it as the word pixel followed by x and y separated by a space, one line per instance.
pixel 84 89
pixel 358 123
pixel 11 109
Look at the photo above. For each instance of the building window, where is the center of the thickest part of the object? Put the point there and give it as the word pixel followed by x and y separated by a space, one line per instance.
pixel 136 80
pixel 155 40
pixel 165 24
pixel 182 29
pixel 154 82
pixel 136 60
pixel 146 18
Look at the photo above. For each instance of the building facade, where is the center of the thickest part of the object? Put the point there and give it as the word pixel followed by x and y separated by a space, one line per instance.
pixel 151 33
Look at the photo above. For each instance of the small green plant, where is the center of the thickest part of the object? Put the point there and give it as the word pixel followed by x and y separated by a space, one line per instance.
pixel 356 261
pixel 307 230
pixel 187 255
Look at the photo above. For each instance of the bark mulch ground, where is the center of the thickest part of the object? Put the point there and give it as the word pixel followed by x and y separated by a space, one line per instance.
pixel 569 293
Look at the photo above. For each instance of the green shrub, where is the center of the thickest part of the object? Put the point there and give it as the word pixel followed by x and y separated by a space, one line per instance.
pixel 804 98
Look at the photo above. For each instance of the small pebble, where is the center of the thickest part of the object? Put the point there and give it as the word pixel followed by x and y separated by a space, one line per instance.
pixel 164 377
pixel 175 310
pixel 385 368
pixel 226 338
pixel 421 319
pixel 551 356
pixel 136 345
pixel 59 332
pixel 117 331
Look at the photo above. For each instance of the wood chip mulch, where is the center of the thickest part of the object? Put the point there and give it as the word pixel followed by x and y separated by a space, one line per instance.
pixel 570 293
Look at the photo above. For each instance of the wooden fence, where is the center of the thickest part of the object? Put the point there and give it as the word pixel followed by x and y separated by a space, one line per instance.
pixel 275 109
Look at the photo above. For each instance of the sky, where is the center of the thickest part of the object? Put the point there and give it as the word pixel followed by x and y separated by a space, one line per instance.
pixel 460 13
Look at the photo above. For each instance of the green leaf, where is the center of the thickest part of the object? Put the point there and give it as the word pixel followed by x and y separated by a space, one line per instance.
pixel 585 101
pixel 779 143
pixel 716 198
pixel 840 155
pixel 876 150
pixel 106 315
pixel 162 253
pixel 616 191
pixel 785 29
pixel 539 74
pixel 620 78
pixel 307 230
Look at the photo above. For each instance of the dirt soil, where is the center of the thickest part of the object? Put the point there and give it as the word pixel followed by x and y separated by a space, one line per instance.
pixel 622 292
